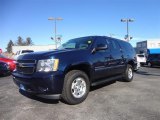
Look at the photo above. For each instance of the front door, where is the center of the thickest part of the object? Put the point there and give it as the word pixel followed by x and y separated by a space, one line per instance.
pixel 101 60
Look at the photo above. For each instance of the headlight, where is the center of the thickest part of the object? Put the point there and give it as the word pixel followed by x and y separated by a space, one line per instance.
pixel 47 65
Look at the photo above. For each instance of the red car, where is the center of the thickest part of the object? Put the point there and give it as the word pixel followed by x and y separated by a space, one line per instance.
pixel 10 62
pixel 4 69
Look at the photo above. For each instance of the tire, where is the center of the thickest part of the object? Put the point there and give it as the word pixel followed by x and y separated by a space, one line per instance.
pixel 135 70
pixel 74 93
pixel 128 75
pixel 149 64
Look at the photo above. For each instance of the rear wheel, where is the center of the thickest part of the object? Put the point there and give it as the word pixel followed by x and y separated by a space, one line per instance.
pixel 76 87
pixel 149 64
pixel 128 75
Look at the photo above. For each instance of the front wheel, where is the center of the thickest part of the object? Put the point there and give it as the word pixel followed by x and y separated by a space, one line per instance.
pixel 128 75
pixel 76 87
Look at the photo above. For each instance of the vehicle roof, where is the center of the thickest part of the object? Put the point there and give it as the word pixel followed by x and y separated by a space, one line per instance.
pixel 96 36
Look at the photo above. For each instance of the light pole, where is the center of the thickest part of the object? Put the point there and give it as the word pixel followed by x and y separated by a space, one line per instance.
pixel 55 27
pixel 127 21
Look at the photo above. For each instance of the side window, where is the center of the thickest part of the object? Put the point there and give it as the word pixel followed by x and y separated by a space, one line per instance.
pixel 83 46
pixel 129 47
pixel 126 47
pixel 17 53
pixel 114 45
pixel 100 41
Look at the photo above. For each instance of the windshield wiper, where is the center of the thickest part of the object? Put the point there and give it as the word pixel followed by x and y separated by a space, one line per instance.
pixel 69 48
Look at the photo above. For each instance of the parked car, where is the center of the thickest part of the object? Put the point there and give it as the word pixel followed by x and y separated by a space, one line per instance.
pixel 141 58
pixel 20 52
pixel 10 62
pixel 4 68
pixel 78 64
pixel 153 60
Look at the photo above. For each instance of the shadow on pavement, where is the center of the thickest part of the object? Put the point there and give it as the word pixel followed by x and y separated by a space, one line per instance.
pixel 93 88
pixel 6 75
pixel 34 97
pixel 146 73
pixel 155 67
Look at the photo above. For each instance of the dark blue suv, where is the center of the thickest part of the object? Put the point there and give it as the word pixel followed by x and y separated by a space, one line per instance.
pixel 78 64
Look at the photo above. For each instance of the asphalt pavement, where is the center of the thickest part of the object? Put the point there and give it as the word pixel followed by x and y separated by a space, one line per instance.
pixel 136 100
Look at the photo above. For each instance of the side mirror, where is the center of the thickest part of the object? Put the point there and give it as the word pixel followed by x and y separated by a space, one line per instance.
pixel 101 47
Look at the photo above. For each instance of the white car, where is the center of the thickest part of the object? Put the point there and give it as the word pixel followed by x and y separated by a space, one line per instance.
pixel 141 59
pixel 20 52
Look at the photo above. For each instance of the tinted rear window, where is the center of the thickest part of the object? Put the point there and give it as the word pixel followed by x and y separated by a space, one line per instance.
pixel 126 46
pixel 140 55
pixel 27 51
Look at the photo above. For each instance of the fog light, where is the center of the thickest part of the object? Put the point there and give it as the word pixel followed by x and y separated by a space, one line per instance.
pixel 43 89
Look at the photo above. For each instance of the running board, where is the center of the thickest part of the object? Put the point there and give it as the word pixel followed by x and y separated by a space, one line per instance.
pixel 106 80
pixel 54 96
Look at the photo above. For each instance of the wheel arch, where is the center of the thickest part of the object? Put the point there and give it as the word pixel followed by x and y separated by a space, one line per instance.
pixel 131 62
pixel 85 67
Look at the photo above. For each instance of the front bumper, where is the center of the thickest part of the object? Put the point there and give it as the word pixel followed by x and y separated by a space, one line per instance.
pixel 40 83
pixel 143 63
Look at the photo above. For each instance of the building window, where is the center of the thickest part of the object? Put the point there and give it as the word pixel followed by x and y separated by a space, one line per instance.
pixel 139 45
pixel 144 45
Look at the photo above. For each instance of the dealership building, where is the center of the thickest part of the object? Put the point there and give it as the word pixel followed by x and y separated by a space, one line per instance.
pixel 148 47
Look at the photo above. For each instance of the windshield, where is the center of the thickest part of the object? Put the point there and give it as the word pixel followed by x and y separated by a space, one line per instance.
pixel 78 43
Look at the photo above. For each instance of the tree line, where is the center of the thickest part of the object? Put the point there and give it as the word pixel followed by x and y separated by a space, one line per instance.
pixel 19 42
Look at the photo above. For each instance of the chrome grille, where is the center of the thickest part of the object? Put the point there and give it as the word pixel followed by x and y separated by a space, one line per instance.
pixel 26 61
pixel 26 66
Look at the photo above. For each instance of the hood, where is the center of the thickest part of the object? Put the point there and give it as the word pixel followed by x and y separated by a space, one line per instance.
pixel 47 54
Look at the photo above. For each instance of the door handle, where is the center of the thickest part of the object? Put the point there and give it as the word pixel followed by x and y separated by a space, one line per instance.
pixel 111 57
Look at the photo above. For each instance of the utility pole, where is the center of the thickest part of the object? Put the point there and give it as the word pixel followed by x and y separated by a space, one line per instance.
pixel 55 28
pixel 127 37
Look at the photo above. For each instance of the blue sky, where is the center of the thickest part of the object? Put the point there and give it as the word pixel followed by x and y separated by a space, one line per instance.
pixel 29 18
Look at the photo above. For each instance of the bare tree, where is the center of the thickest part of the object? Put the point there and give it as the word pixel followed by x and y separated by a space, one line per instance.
pixel 9 46
pixel 28 41
pixel 20 41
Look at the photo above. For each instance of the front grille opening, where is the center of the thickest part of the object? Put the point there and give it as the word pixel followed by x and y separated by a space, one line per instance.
pixel 26 61
pixel 25 70
pixel 26 66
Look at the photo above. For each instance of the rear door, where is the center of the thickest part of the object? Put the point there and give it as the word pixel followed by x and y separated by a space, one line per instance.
pixel 116 62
